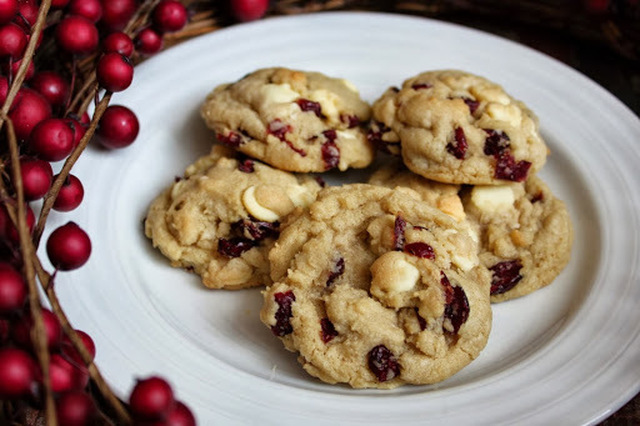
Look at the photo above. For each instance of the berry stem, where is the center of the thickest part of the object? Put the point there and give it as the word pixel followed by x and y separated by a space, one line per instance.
pixel 45 281
pixel 39 336
pixel 16 84
pixel 51 196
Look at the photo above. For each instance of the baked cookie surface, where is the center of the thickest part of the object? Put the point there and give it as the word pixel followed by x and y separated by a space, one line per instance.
pixel 443 196
pixel 293 120
pixel 455 127
pixel 223 216
pixel 374 288
pixel 525 235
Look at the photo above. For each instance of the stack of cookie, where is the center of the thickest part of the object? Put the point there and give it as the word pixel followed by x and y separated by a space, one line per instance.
pixel 374 284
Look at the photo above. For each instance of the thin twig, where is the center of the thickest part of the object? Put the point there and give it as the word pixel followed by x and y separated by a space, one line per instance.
pixel 51 196
pixel 38 334
pixel 94 373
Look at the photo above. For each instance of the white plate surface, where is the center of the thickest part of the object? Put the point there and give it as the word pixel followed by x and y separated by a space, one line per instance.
pixel 567 354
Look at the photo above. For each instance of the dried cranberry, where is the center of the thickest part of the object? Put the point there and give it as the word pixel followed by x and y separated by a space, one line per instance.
pixel 374 135
pixel 336 271
pixel 420 249
pixel 307 105
pixel 320 181
pixel 496 142
pixel 419 86
pixel 507 168
pixel 505 276
pixel 279 129
pixel 234 247
pixel 330 151
pixel 256 230
pixel 328 330
pixel 350 120
pixel 383 363
pixel 284 313
pixel 398 233
pixel 459 149
pixel 233 139
pixel 457 308
pixel 472 104
pixel 245 165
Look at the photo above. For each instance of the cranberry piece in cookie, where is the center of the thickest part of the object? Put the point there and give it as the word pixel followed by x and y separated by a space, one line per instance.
pixel 383 364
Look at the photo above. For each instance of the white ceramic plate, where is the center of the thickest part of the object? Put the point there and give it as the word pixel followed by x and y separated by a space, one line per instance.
pixel 567 354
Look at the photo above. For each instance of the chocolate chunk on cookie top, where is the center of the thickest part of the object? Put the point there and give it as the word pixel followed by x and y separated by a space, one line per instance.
pixel 456 127
pixel 293 120
pixel 374 288
pixel 223 216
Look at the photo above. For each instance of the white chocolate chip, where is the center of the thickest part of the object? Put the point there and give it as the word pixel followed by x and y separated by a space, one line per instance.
pixel 406 276
pixel 491 94
pixel 392 273
pixel 299 195
pixel 349 85
pixel 507 113
pixel 277 93
pixel 492 198
pixel 255 209
pixel 464 262
pixel 344 134
pixel 328 102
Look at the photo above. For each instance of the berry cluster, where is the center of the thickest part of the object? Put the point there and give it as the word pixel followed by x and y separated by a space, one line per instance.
pixel 56 58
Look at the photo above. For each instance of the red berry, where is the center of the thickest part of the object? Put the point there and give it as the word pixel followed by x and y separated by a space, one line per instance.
pixel 249 10
pixel 28 11
pixel 12 69
pixel 70 195
pixel 52 139
pixel 59 4
pixel 148 42
pixel 169 16
pixel 118 127
pixel 37 176
pixel 13 290
pixel 70 352
pixel 180 415
pixel 151 399
pixel 29 109
pixel 118 42
pixel 116 13
pixel 77 35
pixel 8 10
pixel 21 330
pixel 11 232
pixel 78 129
pixel 4 89
pixel 68 247
pixel 90 9
pixel 52 86
pixel 75 408
pixel 17 373
pixel 114 72
pixel 66 376
pixel 13 41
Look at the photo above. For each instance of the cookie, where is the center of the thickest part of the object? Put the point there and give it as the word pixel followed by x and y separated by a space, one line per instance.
pixel 455 127
pixel 223 216
pixel 292 120
pixel 374 288
pixel 525 235
pixel 443 196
